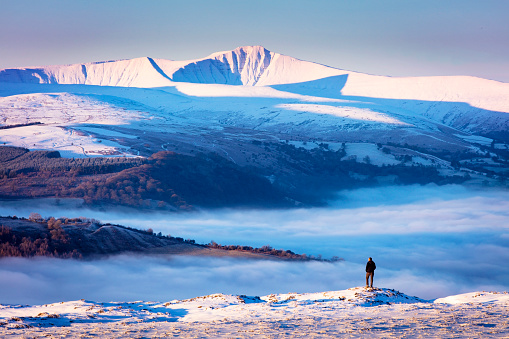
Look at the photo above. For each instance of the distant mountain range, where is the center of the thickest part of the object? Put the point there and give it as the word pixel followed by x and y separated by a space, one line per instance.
pixel 305 128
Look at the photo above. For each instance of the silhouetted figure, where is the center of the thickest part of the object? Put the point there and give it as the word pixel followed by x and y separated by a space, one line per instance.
pixel 370 271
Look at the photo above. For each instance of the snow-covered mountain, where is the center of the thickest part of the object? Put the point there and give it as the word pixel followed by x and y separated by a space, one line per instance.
pixel 250 66
pixel 256 66
pixel 354 312
pixel 232 102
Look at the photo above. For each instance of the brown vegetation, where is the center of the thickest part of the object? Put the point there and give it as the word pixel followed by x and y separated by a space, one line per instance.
pixel 52 242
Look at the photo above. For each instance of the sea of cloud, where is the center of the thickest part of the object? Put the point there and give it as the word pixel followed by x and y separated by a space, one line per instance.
pixel 427 241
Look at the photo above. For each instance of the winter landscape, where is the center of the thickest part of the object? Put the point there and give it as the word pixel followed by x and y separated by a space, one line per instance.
pixel 240 194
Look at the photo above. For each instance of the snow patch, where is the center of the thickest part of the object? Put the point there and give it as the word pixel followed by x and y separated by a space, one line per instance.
pixel 476 297
pixel 343 112
pixel 475 139
pixel 69 142
pixel 365 152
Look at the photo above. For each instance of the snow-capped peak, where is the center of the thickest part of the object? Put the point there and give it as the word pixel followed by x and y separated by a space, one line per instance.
pixel 246 50
pixel 252 66
pixel 241 66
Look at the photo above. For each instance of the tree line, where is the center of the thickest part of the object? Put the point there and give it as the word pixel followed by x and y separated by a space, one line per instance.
pixel 51 242
pixel 17 160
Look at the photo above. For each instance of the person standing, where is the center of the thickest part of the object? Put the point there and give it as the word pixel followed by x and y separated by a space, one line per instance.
pixel 370 271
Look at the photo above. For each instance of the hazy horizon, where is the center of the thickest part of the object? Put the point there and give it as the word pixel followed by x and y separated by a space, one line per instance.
pixel 393 38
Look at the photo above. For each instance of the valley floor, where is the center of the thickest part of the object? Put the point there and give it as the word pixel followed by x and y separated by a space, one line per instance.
pixel 352 313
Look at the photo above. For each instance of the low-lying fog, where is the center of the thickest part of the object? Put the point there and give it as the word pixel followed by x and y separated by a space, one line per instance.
pixel 426 241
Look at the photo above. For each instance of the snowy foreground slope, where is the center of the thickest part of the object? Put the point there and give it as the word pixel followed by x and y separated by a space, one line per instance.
pixel 356 312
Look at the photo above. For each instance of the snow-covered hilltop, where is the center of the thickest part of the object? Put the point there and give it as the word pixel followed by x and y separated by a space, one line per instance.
pixel 354 312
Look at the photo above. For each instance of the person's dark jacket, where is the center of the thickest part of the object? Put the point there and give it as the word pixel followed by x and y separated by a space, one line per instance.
pixel 370 266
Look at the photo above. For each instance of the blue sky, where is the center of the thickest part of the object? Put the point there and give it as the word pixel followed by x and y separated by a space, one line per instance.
pixel 391 37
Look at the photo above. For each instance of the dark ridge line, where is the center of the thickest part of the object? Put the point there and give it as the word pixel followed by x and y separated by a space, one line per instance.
pixel 157 68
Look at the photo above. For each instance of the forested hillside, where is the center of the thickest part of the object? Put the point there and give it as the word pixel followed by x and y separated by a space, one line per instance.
pixel 165 180
pixel 173 181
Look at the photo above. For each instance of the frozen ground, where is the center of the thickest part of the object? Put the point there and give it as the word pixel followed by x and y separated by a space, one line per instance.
pixel 59 116
pixel 355 312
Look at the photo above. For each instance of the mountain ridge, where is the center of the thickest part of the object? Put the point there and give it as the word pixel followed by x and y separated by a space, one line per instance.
pixel 248 65
pixel 255 66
